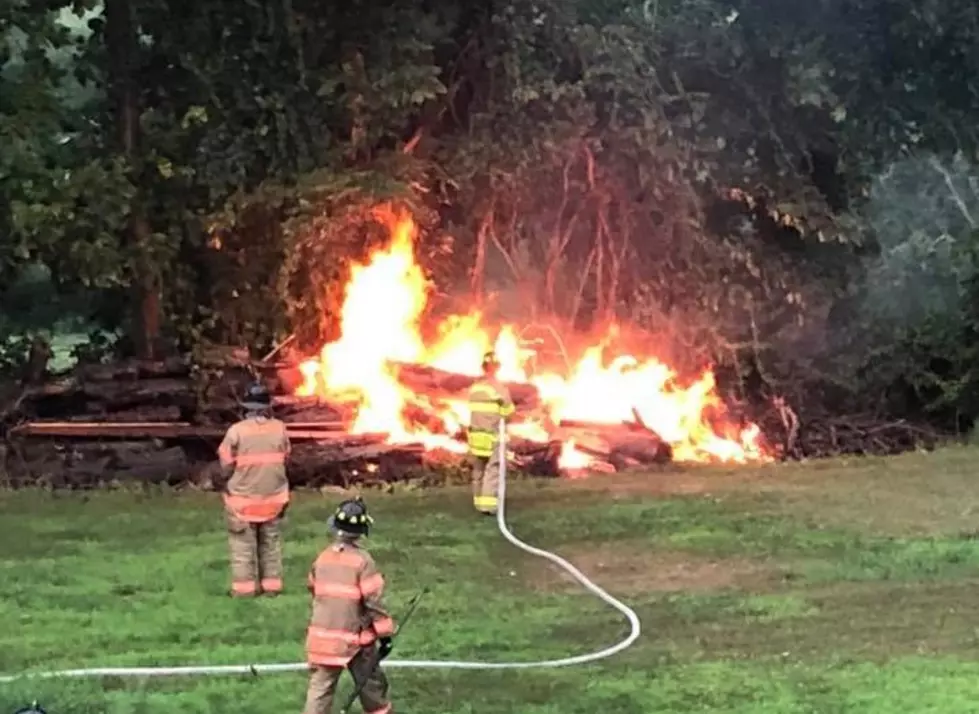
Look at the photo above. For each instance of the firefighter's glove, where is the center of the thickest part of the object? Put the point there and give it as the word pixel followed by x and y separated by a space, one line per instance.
pixel 387 644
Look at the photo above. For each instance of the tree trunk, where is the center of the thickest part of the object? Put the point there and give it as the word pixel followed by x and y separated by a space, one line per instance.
pixel 121 43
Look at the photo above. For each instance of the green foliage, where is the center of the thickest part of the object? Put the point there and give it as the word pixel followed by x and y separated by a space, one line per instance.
pixel 715 172
pixel 917 306
pixel 13 354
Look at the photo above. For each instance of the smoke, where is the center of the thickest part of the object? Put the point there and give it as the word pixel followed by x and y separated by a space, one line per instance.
pixel 923 212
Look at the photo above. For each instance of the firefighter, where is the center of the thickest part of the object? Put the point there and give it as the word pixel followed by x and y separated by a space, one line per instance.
pixel 489 402
pixel 350 628
pixel 253 465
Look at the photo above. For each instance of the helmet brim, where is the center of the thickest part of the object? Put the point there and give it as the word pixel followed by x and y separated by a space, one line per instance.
pixel 256 406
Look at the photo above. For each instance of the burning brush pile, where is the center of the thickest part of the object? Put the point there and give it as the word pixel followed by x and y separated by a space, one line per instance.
pixel 598 413
pixel 381 399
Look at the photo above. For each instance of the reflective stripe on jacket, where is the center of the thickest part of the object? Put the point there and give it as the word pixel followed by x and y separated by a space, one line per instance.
pixel 256 449
pixel 348 608
pixel 489 401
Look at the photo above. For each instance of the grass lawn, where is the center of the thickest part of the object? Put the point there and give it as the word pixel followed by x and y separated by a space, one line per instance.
pixel 816 588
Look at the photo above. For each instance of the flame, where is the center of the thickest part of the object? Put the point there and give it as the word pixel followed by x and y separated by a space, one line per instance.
pixel 384 302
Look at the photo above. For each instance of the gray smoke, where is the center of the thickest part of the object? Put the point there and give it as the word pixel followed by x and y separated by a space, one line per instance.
pixel 924 212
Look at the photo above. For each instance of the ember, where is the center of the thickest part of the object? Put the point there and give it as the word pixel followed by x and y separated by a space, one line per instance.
pixel 379 363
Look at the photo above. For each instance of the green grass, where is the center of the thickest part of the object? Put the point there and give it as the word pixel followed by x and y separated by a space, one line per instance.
pixel 815 588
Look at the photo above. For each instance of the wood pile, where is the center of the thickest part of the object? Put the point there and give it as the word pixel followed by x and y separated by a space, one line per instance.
pixel 161 422
pixel 861 435
pixel 444 386
pixel 617 447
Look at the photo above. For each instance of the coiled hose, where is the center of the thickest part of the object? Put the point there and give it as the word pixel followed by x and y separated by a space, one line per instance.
pixel 211 670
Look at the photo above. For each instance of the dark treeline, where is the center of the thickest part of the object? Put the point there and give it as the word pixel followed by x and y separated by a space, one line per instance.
pixel 787 189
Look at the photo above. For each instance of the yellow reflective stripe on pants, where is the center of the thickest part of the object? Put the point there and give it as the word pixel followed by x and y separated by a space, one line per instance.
pixel 482 502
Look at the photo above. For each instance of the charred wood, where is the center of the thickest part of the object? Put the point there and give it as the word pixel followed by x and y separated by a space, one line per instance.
pixel 336 463
pixel 222 356
pixel 97 465
pixel 146 414
pixel 306 431
pixel 863 435
pixel 130 370
pixel 447 385
pixel 618 443
pixel 536 458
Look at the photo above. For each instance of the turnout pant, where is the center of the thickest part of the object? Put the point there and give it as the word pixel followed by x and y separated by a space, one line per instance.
pixel 485 481
pixel 323 684
pixel 256 555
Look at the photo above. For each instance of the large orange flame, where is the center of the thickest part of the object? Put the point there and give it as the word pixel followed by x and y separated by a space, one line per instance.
pixel 384 303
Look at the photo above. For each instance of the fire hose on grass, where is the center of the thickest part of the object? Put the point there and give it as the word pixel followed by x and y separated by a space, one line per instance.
pixel 210 670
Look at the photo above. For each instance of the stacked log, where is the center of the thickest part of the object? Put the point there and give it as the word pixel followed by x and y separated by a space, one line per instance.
pixel 162 421
pixel 447 386
pixel 617 446
pixel 159 391
pixel 861 435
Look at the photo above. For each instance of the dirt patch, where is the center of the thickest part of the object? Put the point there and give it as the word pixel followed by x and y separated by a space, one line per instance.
pixel 629 570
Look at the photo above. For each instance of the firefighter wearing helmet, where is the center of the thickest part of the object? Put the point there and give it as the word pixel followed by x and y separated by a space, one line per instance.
pixel 489 403
pixel 256 493
pixel 350 628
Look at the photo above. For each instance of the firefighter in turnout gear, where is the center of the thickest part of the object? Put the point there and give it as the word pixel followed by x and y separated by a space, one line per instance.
pixel 253 464
pixel 489 402
pixel 350 628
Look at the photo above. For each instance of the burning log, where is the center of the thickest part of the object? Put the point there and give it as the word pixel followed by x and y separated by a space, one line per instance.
pixel 171 404
pixel 288 375
pixel 620 445
pixel 448 385
pixel 535 458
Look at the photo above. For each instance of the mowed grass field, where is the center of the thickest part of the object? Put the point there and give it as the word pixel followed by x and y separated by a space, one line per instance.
pixel 815 588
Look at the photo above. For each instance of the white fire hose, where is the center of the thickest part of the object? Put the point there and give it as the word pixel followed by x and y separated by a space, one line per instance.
pixel 626 611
